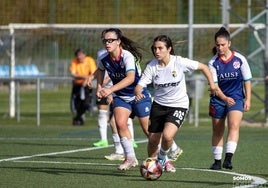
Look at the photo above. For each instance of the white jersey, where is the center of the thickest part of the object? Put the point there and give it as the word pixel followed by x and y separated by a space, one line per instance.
pixel 169 81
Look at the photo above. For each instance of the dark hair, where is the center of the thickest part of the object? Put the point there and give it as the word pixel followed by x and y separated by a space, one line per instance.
pixel 126 43
pixel 214 50
pixel 222 32
pixel 79 50
pixel 166 40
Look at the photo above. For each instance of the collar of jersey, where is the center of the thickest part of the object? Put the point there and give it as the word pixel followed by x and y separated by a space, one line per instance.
pixel 118 58
pixel 227 60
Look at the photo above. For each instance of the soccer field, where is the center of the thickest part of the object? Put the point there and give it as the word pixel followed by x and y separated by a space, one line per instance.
pixel 62 156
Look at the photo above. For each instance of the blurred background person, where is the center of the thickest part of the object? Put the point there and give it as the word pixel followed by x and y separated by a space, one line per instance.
pixel 82 68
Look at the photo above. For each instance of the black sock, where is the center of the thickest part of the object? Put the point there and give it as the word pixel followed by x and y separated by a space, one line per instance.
pixel 228 156
pixel 217 161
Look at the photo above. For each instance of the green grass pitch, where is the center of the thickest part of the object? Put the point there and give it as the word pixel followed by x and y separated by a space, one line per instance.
pixel 57 154
pixel 62 156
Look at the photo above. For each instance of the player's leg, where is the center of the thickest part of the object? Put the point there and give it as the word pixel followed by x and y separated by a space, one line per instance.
pixel 234 118
pixel 131 129
pixel 168 134
pixel 102 123
pixel 153 144
pixel 122 111
pixel 175 151
pixel 171 126
pixel 217 142
pixel 119 152
pixel 217 110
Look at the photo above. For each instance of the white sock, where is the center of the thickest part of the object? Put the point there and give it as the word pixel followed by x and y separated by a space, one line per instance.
pixel 174 146
pixel 162 154
pixel 130 127
pixel 230 147
pixel 128 147
pixel 102 124
pixel 217 152
pixel 117 145
pixel 159 147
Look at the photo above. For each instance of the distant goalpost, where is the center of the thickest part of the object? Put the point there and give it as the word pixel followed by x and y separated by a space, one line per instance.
pixel 51 46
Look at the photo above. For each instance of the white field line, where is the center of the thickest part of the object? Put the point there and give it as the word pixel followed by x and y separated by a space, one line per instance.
pixel 69 163
pixel 59 153
pixel 257 181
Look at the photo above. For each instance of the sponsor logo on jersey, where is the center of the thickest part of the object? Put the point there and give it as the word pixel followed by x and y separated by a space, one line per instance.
pixel 228 75
pixel 117 75
pixel 173 84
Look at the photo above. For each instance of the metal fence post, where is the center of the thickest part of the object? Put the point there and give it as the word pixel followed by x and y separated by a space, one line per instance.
pixel 38 101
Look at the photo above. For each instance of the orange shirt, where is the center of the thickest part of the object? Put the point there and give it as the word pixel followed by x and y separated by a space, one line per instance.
pixel 85 68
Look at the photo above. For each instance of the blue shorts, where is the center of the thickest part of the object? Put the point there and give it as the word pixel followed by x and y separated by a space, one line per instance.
pixel 140 108
pixel 219 109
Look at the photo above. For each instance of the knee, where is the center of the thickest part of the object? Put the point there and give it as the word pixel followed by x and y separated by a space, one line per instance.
pixel 167 138
pixel 121 125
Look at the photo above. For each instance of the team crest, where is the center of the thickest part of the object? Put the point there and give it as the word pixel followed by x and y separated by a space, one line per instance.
pixel 236 64
pixel 174 74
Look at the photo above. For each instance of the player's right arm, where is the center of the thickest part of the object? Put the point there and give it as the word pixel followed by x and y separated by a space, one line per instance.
pixel 99 74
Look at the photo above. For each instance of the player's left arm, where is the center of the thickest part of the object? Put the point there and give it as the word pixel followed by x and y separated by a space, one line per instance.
pixel 247 77
pixel 247 102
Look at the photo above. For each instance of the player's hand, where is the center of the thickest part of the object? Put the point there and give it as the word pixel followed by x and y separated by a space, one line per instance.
pixel 98 94
pixel 139 96
pixel 110 99
pixel 88 82
pixel 138 93
pixel 229 101
pixel 247 106
pixel 213 90
pixel 105 92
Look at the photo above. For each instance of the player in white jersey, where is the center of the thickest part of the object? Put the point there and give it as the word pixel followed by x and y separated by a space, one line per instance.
pixel 232 76
pixel 122 68
pixel 171 103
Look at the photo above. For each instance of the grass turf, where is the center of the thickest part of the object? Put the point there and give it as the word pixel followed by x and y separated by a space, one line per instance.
pixel 89 168
pixel 53 155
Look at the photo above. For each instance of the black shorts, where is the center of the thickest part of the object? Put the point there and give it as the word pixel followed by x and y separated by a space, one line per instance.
pixel 163 114
pixel 101 101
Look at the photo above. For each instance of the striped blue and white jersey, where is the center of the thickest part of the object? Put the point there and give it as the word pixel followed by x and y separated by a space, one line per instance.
pixel 117 71
pixel 230 74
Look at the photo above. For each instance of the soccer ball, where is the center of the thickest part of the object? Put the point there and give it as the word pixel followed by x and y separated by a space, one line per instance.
pixel 151 169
